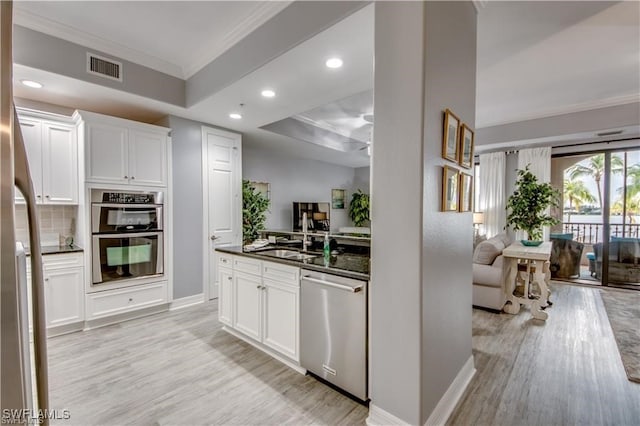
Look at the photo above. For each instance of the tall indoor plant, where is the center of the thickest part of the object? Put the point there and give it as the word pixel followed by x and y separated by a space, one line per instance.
pixel 254 208
pixel 527 205
pixel 359 208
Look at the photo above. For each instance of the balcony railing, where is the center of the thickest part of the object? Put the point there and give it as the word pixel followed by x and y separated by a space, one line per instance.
pixel 591 233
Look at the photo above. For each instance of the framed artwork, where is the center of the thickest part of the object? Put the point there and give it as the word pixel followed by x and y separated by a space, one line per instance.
pixel 466 146
pixel 337 198
pixel 465 204
pixel 450 136
pixel 262 187
pixel 450 189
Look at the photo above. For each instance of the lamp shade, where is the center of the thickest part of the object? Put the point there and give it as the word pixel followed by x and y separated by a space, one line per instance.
pixel 478 217
pixel 319 216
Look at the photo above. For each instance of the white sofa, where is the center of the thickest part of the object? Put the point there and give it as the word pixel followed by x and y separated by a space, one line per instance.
pixel 488 273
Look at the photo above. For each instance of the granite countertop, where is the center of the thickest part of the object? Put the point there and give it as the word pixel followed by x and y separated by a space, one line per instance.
pixel 56 249
pixel 346 265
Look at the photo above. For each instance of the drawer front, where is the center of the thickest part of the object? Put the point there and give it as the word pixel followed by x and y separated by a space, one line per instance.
pixel 61 261
pixel 225 260
pixel 114 302
pixel 281 273
pixel 247 265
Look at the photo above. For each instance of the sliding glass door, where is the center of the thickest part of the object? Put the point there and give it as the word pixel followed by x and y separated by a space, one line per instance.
pixel 622 202
pixel 601 211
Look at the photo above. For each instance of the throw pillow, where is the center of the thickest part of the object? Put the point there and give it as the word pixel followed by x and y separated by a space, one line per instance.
pixel 487 251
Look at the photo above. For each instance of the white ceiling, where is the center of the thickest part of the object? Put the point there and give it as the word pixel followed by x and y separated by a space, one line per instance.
pixel 535 59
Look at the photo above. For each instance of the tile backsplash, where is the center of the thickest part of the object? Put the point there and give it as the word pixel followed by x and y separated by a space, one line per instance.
pixel 56 219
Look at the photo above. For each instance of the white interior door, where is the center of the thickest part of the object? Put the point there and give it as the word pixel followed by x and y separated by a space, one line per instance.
pixel 224 183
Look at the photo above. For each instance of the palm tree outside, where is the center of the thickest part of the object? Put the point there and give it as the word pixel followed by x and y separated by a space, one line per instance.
pixel 577 194
pixel 595 169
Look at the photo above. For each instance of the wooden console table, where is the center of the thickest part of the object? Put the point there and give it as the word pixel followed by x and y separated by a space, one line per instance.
pixel 534 262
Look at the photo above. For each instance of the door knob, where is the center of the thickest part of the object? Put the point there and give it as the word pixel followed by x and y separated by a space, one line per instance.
pixel 213 238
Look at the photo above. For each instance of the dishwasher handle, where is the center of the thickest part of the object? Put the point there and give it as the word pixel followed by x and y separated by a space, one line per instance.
pixel 355 289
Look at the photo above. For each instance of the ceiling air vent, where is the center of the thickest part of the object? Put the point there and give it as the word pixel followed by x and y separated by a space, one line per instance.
pixel 103 67
pixel 610 133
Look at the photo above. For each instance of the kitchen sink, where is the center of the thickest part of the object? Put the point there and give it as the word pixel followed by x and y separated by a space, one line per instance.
pixel 287 254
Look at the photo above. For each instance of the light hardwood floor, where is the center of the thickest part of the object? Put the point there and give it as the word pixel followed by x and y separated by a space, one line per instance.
pixel 181 368
pixel 566 371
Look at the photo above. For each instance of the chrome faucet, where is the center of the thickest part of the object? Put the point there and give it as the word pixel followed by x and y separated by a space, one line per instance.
pixel 305 226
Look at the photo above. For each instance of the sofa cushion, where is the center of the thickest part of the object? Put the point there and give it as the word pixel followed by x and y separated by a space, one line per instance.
pixel 487 275
pixel 486 252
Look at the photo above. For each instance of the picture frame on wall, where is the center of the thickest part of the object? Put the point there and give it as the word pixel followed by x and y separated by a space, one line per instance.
pixel 450 184
pixel 263 188
pixel 450 137
pixel 466 192
pixel 466 146
pixel 337 198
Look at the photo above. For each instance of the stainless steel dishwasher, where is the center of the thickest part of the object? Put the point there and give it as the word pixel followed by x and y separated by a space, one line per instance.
pixel 333 333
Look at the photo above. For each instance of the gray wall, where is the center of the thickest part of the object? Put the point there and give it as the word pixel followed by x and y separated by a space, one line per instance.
pixel 549 129
pixel 450 82
pixel 186 142
pixel 294 179
pixel 362 179
pixel 396 240
pixel 421 261
pixel 51 54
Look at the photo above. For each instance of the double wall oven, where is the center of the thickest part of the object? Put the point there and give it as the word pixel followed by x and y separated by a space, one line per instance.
pixel 127 236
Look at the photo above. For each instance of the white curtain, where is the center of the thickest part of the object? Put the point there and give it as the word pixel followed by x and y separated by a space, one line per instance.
pixel 492 192
pixel 539 161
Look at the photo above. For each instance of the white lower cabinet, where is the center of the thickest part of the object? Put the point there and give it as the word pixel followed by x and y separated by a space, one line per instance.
pixel 280 317
pixel 63 291
pixel 225 297
pixel 112 302
pixel 261 301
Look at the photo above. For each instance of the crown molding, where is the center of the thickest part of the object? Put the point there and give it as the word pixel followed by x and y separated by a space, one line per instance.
pixel 90 41
pixel 479 4
pixel 550 112
pixel 261 14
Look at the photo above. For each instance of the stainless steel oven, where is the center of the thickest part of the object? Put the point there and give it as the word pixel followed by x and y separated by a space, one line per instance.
pixel 126 256
pixel 127 235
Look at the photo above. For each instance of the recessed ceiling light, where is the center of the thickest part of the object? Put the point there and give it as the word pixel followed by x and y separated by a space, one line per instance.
pixel 235 116
pixel 31 83
pixel 333 63
pixel 268 93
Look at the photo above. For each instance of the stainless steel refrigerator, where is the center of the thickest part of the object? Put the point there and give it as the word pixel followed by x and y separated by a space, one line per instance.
pixel 16 368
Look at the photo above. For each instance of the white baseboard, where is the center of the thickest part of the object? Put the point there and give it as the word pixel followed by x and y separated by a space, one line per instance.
pixel 447 403
pixel 185 302
pixel 380 417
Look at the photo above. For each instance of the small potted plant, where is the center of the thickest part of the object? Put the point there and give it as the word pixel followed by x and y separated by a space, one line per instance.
pixel 527 205
pixel 254 207
pixel 359 208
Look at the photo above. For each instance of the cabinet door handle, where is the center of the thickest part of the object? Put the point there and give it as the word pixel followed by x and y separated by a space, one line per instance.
pixel 259 287
pixel 39 196
pixel 46 279
pixel 229 278
pixel 126 177
pixel 133 177
pixel 130 299
pixel 47 196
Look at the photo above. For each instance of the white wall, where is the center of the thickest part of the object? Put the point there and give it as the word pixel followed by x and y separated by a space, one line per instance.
pixel 295 179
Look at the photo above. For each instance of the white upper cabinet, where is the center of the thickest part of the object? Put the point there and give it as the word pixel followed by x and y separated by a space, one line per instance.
pixel 124 152
pixel 52 152
pixel 147 151
pixel 106 147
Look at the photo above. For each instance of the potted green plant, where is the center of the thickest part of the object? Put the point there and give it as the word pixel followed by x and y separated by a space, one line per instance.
pixel 359 208
pixel 254 208
pixel 527 205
